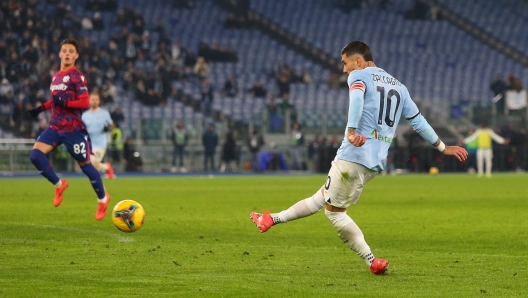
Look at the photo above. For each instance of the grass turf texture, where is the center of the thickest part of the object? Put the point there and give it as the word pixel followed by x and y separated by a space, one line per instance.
pixel 445 236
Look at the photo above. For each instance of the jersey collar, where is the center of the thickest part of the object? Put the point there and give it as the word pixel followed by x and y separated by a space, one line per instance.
pixel 67 69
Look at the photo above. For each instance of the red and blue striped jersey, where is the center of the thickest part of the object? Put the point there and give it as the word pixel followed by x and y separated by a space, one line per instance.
pixel 69 85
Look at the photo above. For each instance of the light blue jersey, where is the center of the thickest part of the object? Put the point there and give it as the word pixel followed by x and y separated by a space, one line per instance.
pixel 95 123
pixel 377 101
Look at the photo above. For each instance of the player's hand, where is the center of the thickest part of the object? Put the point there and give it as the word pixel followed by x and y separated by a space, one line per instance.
pixel 58 101
pixel 35 112
pixel 459 152
pixel 356 140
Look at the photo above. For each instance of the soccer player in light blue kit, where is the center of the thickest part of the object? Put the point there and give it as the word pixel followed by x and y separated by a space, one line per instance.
pixel 98 123
pixel 377 101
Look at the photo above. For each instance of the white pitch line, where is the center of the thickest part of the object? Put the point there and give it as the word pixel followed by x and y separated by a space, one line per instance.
pixel 121 238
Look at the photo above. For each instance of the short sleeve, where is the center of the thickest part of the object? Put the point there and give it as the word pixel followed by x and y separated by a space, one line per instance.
pixel 410 110
pixel 357 80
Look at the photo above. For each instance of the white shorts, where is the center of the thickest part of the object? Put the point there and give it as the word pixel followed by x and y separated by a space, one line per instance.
pixel 98 154
pixel 345 182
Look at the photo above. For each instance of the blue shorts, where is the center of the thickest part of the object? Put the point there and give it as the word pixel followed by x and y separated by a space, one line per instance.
pixel 78 142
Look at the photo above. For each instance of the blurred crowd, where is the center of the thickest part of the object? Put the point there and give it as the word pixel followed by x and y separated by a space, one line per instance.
pixel 500 86
pixel 29 56
pixel 22 71
pixel 129 61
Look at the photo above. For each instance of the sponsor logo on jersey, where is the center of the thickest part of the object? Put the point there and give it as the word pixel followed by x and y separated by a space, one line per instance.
pixel 61 87
pixel 66 79
pixel 375 135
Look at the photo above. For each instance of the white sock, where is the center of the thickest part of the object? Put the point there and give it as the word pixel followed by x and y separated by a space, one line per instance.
pixel 59 184
pixel 102 167
pixel 300 209
pixel 351 235
pixel 103 200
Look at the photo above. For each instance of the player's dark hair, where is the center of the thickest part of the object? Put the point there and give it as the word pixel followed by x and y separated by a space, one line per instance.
pixel 358 47
pixel 71 41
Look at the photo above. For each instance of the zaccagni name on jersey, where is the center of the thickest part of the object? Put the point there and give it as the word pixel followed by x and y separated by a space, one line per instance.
pixel 385 80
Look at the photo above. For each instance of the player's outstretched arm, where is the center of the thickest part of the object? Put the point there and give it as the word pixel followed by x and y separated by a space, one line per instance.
pixel 456 151
pixel 420 125
pixel 496 137
pixel 471 138
pixel 425 130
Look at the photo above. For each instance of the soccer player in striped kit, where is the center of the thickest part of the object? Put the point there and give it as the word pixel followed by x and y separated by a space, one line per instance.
pixel 69 98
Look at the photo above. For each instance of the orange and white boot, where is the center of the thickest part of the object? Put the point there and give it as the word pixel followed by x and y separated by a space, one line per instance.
pixel 101 208
pixel 58 193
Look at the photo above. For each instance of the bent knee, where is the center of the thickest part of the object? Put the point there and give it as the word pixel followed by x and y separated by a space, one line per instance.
pixel 35 154
pixel 83 163
pixel 338 219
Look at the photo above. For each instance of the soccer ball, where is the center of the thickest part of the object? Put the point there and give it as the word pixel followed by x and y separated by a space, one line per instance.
pixel 433 171
pixel 128 216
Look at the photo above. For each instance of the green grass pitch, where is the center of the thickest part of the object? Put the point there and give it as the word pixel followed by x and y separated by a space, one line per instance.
pixel 445 236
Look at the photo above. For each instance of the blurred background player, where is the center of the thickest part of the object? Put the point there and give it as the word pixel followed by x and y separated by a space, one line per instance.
pixel 69 97
pixel 484 137
pixel 180 138
pixel 363 153
pixel 472 148
pixel 210 141
pixel 116 143
pixel 98 123
pixel 229 154
pixel 254 143
pixel 296 148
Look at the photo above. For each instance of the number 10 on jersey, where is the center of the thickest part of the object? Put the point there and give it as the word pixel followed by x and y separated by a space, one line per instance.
pixel 392 94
